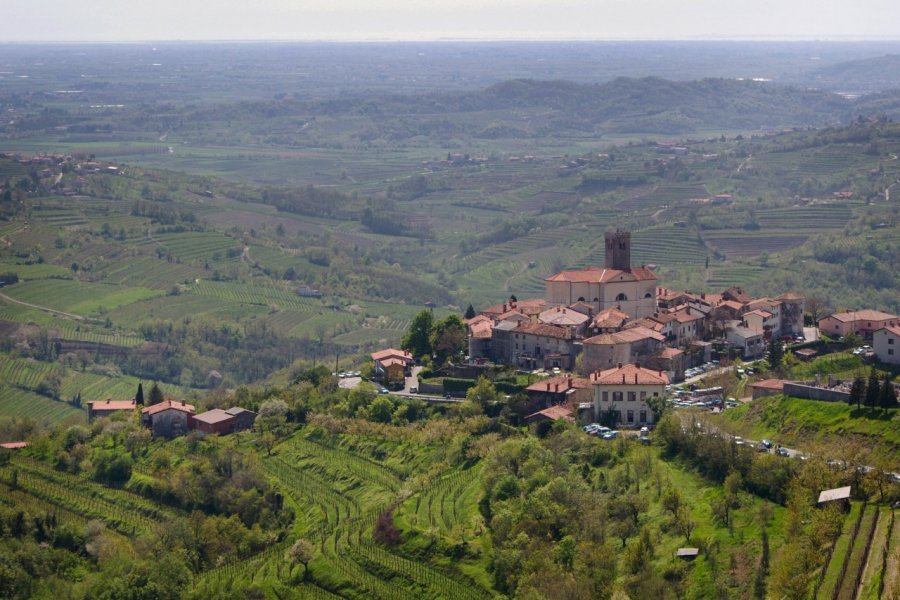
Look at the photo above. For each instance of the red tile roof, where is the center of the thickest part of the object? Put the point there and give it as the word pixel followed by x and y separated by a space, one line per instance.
pixel 167 405
pixel 862 315
pixel 627 336
pixel 790 296
pixel 481 329
pixel 687 315
pixel 611 317
pixel 529 306
pixel 895 329
pixel 542 329
pixel 758 312
pixel 562 316
pixel 391 353
pixel 602 275
pixel 390 362
pixel 671 352
pixel 14 445
pixel 554 413
pixel 564 382
pixel 769 384
pixel 211 417
pixel 629 375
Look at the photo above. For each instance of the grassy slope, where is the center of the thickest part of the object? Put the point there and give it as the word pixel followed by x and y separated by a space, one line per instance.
pixel 795 421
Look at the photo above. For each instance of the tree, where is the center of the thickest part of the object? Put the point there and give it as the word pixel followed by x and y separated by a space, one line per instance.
pixel 139 396
pixel 417 339
pixel 470 312
pixel 857 391
pixel 776 352
pixel 483 393
pixel 156 394
pixel 381 410
pixel 448 338
pixel 873 389
pixel 888 396
pixel 301 552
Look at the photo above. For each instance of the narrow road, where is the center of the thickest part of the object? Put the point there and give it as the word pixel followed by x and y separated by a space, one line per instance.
pixel 43 308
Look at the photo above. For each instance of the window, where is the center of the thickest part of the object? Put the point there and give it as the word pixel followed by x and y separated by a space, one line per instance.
pixel 890 351
pixel 632 396
pixel 643 416
pixel 617 396
pixel 621 297
pixel 656 394
pixel 890 341
pixel 647 295
pixel 631 416
pixel 643 395
pixel 605 397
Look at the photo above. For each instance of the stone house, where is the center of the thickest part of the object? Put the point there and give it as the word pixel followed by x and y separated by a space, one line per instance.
pixel 168 419
pixel 625 390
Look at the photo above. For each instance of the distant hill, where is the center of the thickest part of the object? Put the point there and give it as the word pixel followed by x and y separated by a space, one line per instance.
pixel 862 76
pixel 641 105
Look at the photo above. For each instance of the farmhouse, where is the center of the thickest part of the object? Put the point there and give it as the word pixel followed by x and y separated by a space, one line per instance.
pixel 168 419
pixel 839 496
pixel 623 393
pixel 105 408
pixel 392 364
pixel 863 323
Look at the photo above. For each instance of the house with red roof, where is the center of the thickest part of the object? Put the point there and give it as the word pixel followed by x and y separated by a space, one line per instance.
pixel 392 365
pixel 535 345
pixel 624 391
pixel 105 408
pixel 886 344
pixel 169 418
pixel 564 389
pixel 863 323
pixel 629 345
pixel 557 412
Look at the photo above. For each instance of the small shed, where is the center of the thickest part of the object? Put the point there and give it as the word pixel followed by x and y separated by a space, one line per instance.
pixel 687 553
pixel 105 408
pixel 767 387
pixel 839 495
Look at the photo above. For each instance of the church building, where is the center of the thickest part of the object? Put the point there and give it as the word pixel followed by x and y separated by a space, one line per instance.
pixel 618 285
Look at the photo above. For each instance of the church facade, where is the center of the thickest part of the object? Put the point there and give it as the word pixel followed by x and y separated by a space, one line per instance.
pixel 618 285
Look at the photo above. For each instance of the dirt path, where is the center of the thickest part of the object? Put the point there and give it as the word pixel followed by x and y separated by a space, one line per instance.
pixel 43 308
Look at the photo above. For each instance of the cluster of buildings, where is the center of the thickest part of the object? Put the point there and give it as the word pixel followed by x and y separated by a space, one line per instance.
pixel 619 314
pixel 625 335
pixel 171 418
pixel 879 329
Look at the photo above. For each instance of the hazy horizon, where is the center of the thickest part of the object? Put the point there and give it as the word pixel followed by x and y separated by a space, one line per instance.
pixel 444 20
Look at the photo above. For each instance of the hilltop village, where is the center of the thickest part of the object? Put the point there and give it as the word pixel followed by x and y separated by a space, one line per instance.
pixel 627 339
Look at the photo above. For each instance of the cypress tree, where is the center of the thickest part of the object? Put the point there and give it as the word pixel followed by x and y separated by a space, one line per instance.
pixel 139 396
pixel 857 391
pixel 776 352
pixel 888 396
pixel 873 389
pixel 156 395
pixel 470 312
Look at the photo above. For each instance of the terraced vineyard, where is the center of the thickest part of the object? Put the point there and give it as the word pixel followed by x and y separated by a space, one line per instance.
pixel 733 244
pixel 339 496
pixel 120 510
pixel 666 195
pixel 858 564
pixel 18 402
pixel 817 217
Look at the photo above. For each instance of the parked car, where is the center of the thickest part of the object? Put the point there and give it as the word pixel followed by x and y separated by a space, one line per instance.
pixel 382 390
pixel 767 443
pixel 413 390
pixel 610 435
pixel 782 452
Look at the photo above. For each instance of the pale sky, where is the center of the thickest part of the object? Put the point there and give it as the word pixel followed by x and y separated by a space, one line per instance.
pixel 131 20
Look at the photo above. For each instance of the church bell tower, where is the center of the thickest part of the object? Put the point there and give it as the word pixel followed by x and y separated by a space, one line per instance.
pixel 618 250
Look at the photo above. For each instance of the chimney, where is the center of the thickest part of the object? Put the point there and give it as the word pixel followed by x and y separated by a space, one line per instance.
pixel 703 295
pixel 623 377
pixel 620 365
pixel 548 386
pixel 504 307
pixel 635 379
pixel 556 389
pixel 570 382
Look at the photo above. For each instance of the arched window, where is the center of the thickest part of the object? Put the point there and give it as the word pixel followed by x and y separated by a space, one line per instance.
pixel 621 297
pixel 648 295
pixel 581 298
